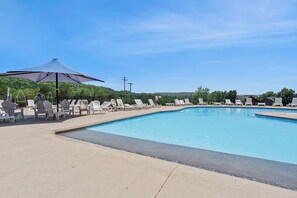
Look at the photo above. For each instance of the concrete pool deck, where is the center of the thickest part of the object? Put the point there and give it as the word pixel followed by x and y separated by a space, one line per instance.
pixel 34 162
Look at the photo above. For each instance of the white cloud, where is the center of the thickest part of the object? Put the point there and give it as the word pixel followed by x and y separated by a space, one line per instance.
pixel 237 22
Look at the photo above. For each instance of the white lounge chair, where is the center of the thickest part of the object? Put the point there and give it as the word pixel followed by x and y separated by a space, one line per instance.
pixel 177 102
pixel 248 102
pixel 106 106
pixel 65 107
pixel 187 102
pixel 84 106
pixel 182 102
pixel 140 105
pixel 200 101
pixel 293 103
pixel 228 102
pixel 95 106
pixel 238 102
pixel 217 103
pixel 153 104
pixel 278 102
pixel 122 106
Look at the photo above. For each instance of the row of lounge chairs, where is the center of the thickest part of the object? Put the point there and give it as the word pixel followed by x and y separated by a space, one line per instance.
pixel 182 102
pixel 70 107
pixel 249 102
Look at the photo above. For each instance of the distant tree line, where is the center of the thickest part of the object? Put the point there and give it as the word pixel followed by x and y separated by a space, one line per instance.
pixel 22 89
pixel 219 96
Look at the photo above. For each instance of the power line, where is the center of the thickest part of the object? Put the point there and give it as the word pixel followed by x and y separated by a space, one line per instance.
pixel 124 79
pixel 130 86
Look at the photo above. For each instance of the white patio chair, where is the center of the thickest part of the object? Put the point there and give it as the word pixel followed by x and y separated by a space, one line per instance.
pixel 248 102
pixel 114 105
pixel 238 102
pixel 228 102
pixel 84 106
pixel 10 109
pixel 50 112
pixel 182 102
pixel 123 106
pixel 201 102
pixel 106 106
pixel 39 109
pixel 187 102
pixel 278 102
pixel 95 106
pixel 140 105
pixel 177 102
pixel 66 108
pixel 293 103
pixel 153 104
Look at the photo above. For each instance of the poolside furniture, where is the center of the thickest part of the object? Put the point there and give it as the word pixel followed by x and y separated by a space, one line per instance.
pixel 278 102
pixel 228 102
pixel 50 112
pixel 293 103
pixel 200 101
pixel 65 107
pixel 84 106
pixel 153 104
pixel 95 106
pixel 140 105
pixel 39 109
pixel 114 105
pixel 30 103
pixel 5 116
pixel 10 109
pixel 1 101
pixel 248 102
pixel 169 104
pixel 120 105
pixel 128 106
pixel 72 103
pixel 182 102
pixel 106 106
pixel 261 104
pixel 238 102
pixel 217 103
pixel 187 102
pixel 177 102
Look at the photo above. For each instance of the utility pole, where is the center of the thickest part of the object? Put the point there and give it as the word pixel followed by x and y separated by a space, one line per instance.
pixel 130 86
pixel 124 79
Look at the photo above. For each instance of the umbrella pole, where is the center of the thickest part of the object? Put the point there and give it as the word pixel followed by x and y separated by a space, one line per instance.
pixel 57 91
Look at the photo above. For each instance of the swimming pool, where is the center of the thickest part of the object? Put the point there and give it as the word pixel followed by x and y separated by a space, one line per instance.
pixel 228 130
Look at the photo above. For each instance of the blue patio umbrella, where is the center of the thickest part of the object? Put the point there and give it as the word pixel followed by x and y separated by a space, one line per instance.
pixel 53 71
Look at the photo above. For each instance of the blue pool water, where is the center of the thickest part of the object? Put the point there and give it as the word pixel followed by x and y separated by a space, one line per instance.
pixel 229 130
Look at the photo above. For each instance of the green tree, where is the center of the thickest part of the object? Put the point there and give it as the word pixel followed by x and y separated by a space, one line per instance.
pixel 232 95
pixel 263 96
pixel 287 95
pixel 201 92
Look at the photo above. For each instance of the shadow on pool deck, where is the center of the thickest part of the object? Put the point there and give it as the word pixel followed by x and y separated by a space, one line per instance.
pixel 265 171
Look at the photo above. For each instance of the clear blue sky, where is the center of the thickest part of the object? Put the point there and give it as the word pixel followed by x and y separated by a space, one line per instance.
pixel 159 45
